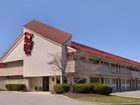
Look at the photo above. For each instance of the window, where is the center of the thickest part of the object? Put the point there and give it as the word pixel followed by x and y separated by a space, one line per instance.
pixel 138 81
pixel 123 87
pixel 93 61
pixel 128 81
pixel 123 71
pixel 117 66
pixel 97 62
pixel 65 80
pixel 70 56
pixel 58 80
pixel 80 80
pixel 113 65
pixel 138 70
pixel 122 81
pixel 123 67
pixel 94 80
pixel 127 72
pixel 131 68
pixel 113 81
pixel 128 68
pixel 128 87
pixel 105 63
pixel 53 79
pixel 83 59
pixel 106 81
pixel 118 71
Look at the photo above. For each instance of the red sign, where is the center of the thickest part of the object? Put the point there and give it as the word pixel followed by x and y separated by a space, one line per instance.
pixel 28 43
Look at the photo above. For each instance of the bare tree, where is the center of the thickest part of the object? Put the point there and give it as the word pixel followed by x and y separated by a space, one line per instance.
pixel 84 71
pixel 58 65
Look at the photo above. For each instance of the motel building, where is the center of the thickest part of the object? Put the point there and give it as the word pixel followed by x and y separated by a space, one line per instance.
pixel 27 62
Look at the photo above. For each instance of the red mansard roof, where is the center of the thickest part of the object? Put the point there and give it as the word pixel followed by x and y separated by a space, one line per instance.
pixel 97 52
pixel 48 31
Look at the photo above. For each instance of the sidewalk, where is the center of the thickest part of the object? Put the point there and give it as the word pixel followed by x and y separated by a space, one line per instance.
pixel 132 94
pixel 39 93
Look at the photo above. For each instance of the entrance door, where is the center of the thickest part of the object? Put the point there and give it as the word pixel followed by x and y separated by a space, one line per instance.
pixel 133 84
pixel 45 83
pixel 118 84
pixel 102 80
pixel 136 84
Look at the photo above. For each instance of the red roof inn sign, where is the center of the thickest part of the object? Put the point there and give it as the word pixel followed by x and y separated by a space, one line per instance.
pixel 28 43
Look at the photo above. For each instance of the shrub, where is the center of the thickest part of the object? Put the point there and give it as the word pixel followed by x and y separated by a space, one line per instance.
pixel 66 88
pixel 61 88
pixel 102 89
pixel 83 88
pixel 15 87
pixel 92 88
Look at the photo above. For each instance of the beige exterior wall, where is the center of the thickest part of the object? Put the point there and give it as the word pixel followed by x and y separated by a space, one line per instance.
pixel 70 66
pixel 4 81
pixel 12 69
pixel 52 83
pixel 16 53
pixel 37 63
pixel 36 83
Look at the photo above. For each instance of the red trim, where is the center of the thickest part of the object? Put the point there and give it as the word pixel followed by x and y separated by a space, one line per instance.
pixel 104 54
pixel 2 65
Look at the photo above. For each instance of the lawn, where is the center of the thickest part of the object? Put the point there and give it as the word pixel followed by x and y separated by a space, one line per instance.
pixel 108 99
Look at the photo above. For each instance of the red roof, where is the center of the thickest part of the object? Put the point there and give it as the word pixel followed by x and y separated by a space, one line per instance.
pixel 2 65
pixel 48 31
pixel 104 54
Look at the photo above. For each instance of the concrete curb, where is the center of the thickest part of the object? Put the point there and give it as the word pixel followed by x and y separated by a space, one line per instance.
pixel 38 92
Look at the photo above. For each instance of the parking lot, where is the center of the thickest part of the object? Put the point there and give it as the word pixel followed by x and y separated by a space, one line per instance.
pixel 45 98
pixel 36 98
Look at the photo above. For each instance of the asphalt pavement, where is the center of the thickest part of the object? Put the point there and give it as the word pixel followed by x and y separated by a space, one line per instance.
pixel 36 98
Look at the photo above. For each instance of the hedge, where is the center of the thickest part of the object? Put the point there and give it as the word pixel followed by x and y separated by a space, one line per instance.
pixel 92 88
pixel 83 88
pixel 61 88
pixel 15 87
pixel 102 89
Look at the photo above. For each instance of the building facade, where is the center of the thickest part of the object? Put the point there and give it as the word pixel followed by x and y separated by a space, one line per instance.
pixel 27 62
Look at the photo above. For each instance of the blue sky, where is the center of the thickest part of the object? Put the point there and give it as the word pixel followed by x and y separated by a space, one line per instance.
pixel 109 25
